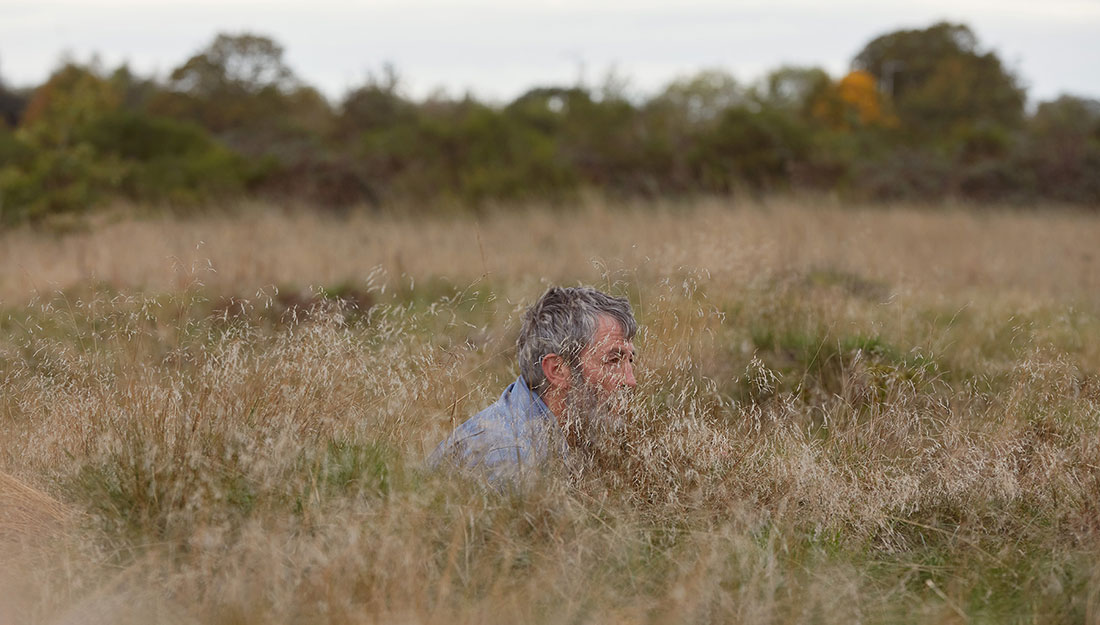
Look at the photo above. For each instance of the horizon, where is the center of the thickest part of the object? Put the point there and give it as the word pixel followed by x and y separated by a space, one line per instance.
pixel 495 52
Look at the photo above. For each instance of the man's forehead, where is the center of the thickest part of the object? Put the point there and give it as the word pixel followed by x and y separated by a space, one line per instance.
pixel 609 334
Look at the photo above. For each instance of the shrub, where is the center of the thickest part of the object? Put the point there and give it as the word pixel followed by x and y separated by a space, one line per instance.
pixel 165 159
pixel 750 149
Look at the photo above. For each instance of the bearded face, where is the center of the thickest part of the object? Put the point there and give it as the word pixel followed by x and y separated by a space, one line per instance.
pixel 596 418
pixel 592 400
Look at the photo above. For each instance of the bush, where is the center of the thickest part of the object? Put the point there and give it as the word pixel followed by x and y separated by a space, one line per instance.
pixel 747 148
pixel 118 154
pixel 164 159
pixel 904 174
pixel 466 151
pixel 1063 148
pixel 52 182
pixel 925 114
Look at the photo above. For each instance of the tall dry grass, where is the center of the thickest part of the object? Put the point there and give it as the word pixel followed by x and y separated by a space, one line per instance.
pixel 845 415
pixel 936 250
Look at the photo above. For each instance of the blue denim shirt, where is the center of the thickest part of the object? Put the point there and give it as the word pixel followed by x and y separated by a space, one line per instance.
pixel 513 436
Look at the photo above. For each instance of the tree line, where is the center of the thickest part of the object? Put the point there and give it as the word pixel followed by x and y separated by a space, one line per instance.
pixel 924 114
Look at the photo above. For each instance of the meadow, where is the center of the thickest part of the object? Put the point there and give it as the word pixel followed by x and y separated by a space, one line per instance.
pixel 844 414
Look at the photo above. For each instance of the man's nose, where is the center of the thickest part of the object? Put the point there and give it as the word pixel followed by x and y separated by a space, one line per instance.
pixel 628 376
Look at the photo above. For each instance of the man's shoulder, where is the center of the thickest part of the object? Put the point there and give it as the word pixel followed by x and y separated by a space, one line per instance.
pixel 513 429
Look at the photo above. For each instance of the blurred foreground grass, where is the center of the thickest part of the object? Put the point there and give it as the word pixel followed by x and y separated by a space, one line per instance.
pixel 849 415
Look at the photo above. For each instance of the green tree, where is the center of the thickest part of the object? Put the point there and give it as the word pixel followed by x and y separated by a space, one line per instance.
pixel 1063 145
pixel 12 103
pixel 754 150
pixel 158 159
pixel 240 87
pixel 468 151
pixel 84 139
pixel 73 96
pixel 702 97
pixel 55 171
pixel 134 91
pixel 940 81
pixel 672 122
pixel 792 88
pixel 376 104
pixel 235 64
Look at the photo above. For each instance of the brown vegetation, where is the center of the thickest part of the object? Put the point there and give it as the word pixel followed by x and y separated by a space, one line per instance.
pixel 846 415
pixel 27 514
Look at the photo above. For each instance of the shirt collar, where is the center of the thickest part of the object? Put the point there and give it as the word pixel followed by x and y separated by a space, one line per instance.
pixel 527 398
pixel 533 404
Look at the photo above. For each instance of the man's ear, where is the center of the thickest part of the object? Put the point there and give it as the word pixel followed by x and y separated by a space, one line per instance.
pixel 556 371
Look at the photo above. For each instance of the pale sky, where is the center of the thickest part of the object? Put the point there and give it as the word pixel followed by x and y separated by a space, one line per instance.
pixel 498 48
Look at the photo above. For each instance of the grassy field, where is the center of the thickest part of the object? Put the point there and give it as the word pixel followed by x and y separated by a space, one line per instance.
pixel 846 414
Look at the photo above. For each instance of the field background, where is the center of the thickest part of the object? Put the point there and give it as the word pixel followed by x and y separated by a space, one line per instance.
pixel 849 414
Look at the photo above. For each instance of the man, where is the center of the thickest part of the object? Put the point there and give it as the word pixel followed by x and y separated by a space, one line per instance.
pixel 576 362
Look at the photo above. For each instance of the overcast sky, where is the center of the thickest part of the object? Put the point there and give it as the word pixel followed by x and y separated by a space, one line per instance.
pixel 499 48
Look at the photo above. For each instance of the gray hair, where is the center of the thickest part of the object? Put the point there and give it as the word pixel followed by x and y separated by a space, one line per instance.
pixel 563 322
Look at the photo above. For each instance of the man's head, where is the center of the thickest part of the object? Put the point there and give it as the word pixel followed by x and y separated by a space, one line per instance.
pixel 577 338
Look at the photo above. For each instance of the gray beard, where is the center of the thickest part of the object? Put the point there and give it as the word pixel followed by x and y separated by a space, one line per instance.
pixel 597 430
